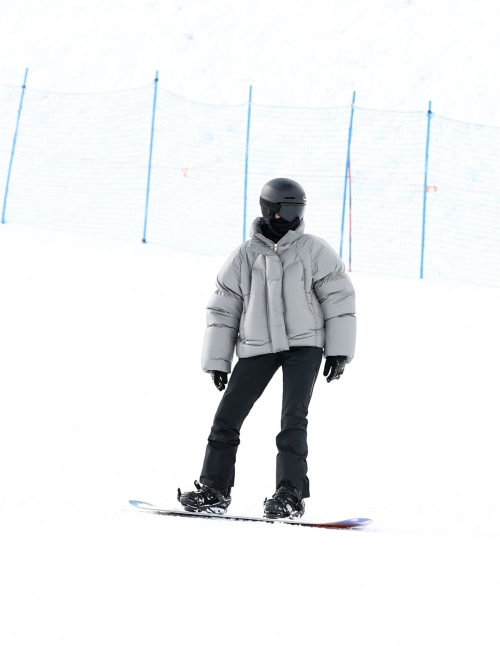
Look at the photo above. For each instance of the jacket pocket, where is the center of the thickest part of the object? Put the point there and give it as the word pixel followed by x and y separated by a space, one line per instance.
pixel 255 342
pixel 242 322
pixel 317 311
pixel 303 335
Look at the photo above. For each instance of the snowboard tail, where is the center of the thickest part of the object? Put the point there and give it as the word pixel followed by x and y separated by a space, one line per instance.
pixel 350 523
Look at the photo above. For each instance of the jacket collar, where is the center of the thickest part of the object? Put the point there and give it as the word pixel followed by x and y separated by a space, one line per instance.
pixel 263 245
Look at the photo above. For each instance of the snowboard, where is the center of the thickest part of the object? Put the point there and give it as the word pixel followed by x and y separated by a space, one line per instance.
pixel 351 523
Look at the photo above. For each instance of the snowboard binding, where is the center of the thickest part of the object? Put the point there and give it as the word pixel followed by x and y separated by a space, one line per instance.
pixel 205 499
pixel 287 502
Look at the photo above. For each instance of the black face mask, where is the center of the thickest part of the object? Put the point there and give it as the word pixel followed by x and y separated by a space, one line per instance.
pixel 276 229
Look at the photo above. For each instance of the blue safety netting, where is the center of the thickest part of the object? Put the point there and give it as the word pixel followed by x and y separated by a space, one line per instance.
pixel 309 145
pixel 82 162
pixel 197 176
pixel 387 185
pixel 463 203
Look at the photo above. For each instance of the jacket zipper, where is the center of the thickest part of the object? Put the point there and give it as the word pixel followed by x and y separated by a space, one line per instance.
pixel 267 316
pixel 275 246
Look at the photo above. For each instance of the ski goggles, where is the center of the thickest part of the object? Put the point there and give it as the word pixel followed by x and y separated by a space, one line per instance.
pixel 285 210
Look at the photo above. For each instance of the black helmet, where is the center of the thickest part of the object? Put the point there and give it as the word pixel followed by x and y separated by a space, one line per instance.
pixel 284 197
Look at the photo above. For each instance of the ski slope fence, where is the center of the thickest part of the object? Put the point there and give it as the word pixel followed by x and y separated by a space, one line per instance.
pixel 408 194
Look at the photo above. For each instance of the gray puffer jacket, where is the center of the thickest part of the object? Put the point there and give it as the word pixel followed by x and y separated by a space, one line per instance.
pixel 272 297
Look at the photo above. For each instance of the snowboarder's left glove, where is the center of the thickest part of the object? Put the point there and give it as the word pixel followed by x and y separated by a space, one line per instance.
pixel 334 367
pixel 219 378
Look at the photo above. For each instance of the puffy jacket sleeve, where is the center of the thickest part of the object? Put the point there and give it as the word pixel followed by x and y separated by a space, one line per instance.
pixel 223 317
pixel 335 292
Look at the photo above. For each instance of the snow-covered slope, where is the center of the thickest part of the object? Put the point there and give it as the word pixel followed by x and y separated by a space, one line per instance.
pixel 397 54
pixel 99 403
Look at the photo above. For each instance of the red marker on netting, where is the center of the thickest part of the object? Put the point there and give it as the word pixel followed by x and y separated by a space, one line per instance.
pixel 184 171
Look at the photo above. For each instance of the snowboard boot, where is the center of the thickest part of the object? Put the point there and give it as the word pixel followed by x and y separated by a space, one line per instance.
pixel 287 502
pixel 205 499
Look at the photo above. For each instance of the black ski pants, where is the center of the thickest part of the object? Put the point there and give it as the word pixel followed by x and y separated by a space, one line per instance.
pixel 247 383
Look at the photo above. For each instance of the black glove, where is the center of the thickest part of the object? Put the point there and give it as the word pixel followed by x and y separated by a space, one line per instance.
pixel 334 367
pixel 219 378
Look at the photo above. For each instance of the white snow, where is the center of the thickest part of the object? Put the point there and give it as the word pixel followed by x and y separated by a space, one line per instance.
pixel 102 400
pixel 397 54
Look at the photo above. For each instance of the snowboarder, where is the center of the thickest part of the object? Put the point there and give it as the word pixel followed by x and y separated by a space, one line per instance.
pixel 282 299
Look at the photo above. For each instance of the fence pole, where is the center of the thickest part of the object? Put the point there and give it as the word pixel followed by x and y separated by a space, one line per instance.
pixel 347 170
pixel 429 116
pixel 350 218
pixel 13 148
pixel 246 164
pixel 150 158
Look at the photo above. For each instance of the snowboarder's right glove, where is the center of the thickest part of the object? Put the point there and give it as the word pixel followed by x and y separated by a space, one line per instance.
pixel 334 368
pixel 219 378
